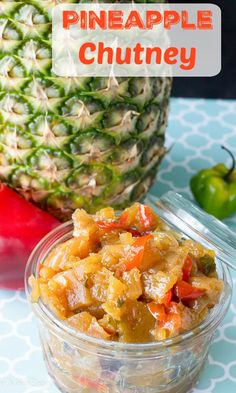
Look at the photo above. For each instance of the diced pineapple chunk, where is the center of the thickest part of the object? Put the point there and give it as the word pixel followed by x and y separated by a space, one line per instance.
pixel 80 247
pixel 85 226
pixel 126 238
pixel 116 295
pixel 211 285
pixel 46 272
pixel 114 309
pixel 78 296
pixel 112 254
pixel 65 255
pixel 59 282
pixel 197 250
pixel 96 310
pixel 88 265
pixel 159 333
pixel 191 317
pixel 57 303
pixel 165 240
pixel 108 213
pixel 116 289
pixel 100 283
pixel 131 215
pixel 35 289
pixel 132 279
pixel 156 285
pixel 151 256
pixel 80 321
pixel 88 324
pixel 109 324
pixel 174 260
pixel 142 217
pixel 59 257
pixel 136 324
pixel 109 237
pixel 76 292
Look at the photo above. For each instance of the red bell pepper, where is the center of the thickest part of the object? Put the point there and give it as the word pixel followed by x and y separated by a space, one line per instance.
pixel 173 322
pixel 92 384
pixel 121 224
pixel 167 298
pixel 22 226
pixel 124 219
pixel 146 217
pixel 167 317
pixel 185 291
pixel 158 311
pixel 188 264
pixel 135 256
pixel 109 225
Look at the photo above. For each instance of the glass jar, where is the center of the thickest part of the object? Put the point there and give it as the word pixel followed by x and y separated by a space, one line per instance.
pixel 79 363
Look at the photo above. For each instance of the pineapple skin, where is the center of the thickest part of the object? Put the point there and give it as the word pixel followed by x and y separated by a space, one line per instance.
pixel 67 143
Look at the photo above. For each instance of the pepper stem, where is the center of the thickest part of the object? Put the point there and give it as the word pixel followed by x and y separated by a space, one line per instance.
pixel 228 174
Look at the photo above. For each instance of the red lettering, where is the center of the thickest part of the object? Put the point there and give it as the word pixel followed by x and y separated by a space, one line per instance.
pixel 82 58
pixel 138 49
pixel 102 50
pixel 185 23
pixel 127 57
pixel 83 20
pixel 95 20
pixel 170 18
pixel 69 18
pixel 170 54
pixel 134 20
pixel 205 20
pixel 115 20
pixel 188 63
pixel 150 51
pixel 153 18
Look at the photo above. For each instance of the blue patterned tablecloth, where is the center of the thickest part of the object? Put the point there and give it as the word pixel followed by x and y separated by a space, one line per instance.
pixel 196 130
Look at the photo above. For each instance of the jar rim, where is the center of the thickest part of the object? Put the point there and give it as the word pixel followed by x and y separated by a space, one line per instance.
pixel 56 236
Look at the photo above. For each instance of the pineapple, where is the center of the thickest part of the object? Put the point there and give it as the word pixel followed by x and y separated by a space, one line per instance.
pixel 67 143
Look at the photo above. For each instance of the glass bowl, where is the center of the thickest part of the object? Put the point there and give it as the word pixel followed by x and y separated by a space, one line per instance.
pixel 80 363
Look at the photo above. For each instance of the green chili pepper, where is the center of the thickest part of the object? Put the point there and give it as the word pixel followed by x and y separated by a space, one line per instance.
pixel 206 264
pixel 215 189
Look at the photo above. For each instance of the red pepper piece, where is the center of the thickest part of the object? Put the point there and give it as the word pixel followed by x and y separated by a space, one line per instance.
pixel 124 219
pixel 109 225
pixel 40 267
pixel 135 256
pixel 173 322
pixel 167 298
pixel 187 267
pixel 185 291
pixel 146 217
pixel 91 384
pixel 167 317
pixel 173 308
pixel 134 232
pixel 121 223
pixel 158 311
pixel 22 226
